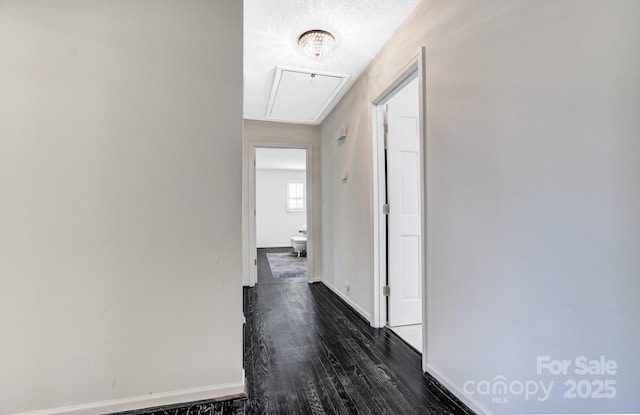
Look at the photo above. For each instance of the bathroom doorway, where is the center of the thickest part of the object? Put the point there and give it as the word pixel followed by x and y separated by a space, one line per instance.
pixel 280 203
pixel 400 214
pixel 404 230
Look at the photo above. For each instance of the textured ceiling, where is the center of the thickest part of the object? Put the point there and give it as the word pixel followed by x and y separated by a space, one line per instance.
pixel 272 27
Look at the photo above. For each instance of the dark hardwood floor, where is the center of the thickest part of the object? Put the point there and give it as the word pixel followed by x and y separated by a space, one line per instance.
pixel 307 352
pixel 209 407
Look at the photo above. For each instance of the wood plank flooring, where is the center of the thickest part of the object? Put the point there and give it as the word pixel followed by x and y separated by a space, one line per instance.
pixel 307 352
pixel 208 407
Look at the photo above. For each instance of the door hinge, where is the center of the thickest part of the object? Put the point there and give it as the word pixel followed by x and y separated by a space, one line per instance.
pixel 386 290
pixel 386 136
pixel 255 261
pixel 385 209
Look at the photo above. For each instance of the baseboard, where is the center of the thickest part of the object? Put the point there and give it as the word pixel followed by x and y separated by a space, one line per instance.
pixel 349 301
pixel 148 401
pixel 474 405
pixel 277 246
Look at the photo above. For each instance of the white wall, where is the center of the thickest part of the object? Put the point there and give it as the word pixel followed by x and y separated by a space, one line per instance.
pixel 120 212
pixel 274 224
pixel 264 133
pixel 533 186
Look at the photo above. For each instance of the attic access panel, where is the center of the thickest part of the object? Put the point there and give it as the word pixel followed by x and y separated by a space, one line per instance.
pixel 302 96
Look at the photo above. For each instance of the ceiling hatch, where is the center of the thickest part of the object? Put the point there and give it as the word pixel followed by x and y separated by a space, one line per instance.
pixel 303 96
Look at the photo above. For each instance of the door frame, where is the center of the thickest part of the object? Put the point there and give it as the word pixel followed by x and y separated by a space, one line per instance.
pixel 379 308
pixel 252 257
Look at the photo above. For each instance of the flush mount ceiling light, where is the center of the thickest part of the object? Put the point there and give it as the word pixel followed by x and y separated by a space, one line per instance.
pixel 317 42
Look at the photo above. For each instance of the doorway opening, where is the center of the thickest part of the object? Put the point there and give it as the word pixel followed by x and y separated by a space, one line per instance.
pixel 400 208
pixel 279 203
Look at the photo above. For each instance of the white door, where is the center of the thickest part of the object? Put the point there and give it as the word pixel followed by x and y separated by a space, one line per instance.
pixel 403 196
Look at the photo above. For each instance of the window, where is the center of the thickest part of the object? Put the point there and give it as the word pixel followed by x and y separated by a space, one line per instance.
pixel 295 196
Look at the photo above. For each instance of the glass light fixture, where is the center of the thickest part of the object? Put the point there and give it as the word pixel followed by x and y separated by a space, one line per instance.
pixel 317 42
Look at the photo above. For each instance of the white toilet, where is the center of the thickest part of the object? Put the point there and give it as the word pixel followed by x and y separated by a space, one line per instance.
pixel 299 242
